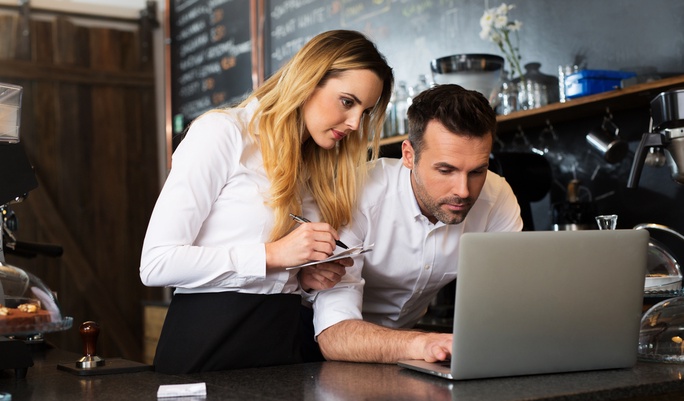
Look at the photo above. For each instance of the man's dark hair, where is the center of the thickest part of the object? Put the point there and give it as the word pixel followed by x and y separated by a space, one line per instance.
pixel 461 111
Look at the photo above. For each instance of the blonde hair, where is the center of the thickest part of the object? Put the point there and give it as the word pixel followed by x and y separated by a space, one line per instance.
pixel 332 175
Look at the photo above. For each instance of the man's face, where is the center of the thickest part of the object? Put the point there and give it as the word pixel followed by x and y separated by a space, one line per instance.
pixel 450 173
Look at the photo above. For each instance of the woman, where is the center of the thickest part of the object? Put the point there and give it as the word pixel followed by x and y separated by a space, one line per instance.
pixel 221 233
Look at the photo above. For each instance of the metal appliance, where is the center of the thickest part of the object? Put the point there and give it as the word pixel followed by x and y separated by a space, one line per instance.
pixel 479 72
pixel 666 135
pixel 19 288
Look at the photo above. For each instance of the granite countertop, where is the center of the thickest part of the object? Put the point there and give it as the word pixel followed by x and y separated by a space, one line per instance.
pixel 341 381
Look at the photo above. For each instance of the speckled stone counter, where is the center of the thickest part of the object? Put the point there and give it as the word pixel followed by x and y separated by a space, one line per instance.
pixel 342 381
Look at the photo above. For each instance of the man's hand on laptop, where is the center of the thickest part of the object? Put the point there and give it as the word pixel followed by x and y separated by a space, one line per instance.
pixel 435 346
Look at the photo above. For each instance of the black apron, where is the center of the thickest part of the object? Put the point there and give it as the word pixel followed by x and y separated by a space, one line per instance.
pixel 229 330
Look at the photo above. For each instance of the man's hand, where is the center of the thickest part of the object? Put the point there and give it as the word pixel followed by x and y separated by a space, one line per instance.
pixel 324 275
pixel 360 341
pixel 435 346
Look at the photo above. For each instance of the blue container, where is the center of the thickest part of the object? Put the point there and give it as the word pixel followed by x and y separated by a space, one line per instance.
pixel 589 82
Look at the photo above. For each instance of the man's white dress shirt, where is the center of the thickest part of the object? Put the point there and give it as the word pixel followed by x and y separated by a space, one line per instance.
pixel 412 259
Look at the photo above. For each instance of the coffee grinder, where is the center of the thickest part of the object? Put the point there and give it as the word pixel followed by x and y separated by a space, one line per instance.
pixel 664 143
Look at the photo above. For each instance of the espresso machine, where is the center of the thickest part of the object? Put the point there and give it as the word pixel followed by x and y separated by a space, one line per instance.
pixel 21 326
pixel 664 143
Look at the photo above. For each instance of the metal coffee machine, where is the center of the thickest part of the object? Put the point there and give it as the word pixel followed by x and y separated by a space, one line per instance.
pixel 28 308
pixel 664 143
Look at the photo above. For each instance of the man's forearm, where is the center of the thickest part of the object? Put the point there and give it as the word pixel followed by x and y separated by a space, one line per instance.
pixel 360 341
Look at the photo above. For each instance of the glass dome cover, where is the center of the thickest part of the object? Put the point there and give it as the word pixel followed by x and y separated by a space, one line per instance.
pixel 661 336
pixel 27 306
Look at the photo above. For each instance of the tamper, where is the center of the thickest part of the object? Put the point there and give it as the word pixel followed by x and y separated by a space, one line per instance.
pixel 89 332
pixel 91 364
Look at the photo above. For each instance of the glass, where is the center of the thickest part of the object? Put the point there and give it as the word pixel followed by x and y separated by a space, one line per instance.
pixel 564 71
pixel 607 221
pixel 10 112
pixel 661 337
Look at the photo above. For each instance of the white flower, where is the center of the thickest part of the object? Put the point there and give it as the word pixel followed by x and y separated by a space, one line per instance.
pixel 496 27
pixel 514 26
pixel 503 9
pixel 486 21
pixel 500 21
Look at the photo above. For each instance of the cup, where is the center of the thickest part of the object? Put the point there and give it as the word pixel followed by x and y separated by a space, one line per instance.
pixel 606 141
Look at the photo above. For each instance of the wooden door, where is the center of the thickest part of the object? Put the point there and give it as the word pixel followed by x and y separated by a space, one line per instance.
pixel 89 129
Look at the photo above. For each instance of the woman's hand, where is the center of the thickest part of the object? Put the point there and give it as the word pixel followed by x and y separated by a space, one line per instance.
pixel 308 242
pixel 323 276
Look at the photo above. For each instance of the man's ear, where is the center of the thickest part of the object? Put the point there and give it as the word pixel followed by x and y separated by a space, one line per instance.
pixel 407 154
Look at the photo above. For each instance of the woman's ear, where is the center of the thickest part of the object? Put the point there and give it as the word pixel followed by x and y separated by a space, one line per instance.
pixel 407 154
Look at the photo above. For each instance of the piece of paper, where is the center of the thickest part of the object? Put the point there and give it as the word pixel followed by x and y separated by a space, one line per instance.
pixel 348 253
pixel 182 390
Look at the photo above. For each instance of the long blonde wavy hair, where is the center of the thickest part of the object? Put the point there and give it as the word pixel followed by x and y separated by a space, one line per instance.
pixel 332 175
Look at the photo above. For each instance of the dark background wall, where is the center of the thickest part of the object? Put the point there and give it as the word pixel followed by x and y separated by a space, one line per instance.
pixel 611 34
pixel 614 35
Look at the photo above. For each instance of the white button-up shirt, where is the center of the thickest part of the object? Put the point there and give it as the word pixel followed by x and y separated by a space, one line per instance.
pixel 412 259
pixel 209 227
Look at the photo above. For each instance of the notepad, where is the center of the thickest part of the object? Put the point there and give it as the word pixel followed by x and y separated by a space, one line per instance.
pixel 349 253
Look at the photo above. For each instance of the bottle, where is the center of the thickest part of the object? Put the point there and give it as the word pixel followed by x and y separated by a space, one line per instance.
pixel 389 128
pixel 507 98
pixel 401 104
pixel 420 86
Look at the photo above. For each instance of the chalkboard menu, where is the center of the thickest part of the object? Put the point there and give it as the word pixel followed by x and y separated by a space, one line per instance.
pixel 290 24
pixel 211 56
pixel 408 33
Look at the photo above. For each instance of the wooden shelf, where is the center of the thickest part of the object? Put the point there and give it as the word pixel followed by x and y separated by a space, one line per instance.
pixel 632 97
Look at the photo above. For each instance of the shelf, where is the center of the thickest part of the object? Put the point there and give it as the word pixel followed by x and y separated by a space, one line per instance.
pixel 632 97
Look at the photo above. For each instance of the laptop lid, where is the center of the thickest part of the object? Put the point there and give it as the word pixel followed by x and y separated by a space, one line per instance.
pixel 545 302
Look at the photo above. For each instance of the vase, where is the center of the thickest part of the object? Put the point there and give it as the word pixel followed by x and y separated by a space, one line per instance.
pixel 536 89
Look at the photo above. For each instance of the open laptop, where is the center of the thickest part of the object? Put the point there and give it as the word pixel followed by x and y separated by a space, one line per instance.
pixel 539 302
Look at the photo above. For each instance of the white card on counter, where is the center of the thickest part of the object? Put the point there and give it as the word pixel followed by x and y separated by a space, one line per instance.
pixel 348 253
pixel 182 390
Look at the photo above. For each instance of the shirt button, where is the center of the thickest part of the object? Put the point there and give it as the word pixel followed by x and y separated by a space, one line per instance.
pixel 427 267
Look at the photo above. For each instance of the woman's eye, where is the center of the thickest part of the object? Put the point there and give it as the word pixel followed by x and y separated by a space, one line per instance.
pixel 347 102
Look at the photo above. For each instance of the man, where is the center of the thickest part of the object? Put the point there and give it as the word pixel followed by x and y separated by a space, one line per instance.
pixel 414 211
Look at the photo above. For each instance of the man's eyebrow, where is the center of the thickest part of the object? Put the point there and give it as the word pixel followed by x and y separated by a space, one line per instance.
pixel 447 165
pixel 444 164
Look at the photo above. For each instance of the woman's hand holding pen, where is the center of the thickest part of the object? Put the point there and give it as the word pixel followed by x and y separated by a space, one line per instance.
pixel 307 242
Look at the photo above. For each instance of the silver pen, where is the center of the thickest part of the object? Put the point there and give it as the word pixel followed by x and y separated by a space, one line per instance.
pixel 301 220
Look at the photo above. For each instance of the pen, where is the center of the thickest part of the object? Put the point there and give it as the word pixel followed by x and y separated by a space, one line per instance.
pixel 304 220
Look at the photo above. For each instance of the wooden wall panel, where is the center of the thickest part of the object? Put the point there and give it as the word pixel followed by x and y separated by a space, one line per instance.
pixel 89 129
pixel 8 29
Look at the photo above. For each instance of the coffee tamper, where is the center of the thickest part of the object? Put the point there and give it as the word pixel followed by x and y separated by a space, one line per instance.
pixel 91 364
pixel 89 332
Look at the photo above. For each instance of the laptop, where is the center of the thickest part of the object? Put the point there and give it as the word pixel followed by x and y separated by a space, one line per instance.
pixel 538 302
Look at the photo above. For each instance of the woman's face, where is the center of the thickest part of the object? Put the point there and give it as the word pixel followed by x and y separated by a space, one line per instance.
pixel 335 109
